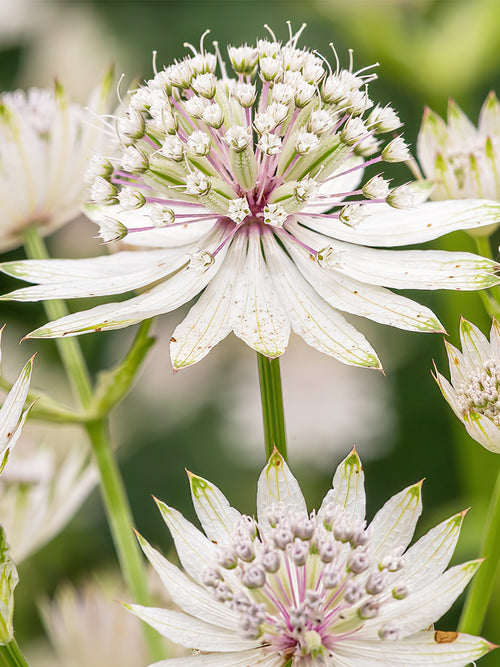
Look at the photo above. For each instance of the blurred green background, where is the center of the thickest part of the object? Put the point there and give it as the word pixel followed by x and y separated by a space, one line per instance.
pixel 428 52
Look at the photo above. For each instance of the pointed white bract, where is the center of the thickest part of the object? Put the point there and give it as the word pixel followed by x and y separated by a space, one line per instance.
pixel 12 412
pixel 473 392
pixel 249 184
pixel 45 145
pixel 303 589
pixel 461 159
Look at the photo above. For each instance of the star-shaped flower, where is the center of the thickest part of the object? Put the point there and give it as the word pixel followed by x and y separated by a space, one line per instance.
pixel 246 190
pixel 298 588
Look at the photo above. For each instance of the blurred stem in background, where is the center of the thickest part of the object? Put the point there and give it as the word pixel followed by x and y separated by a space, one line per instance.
pixel 272 405
pixel 112 487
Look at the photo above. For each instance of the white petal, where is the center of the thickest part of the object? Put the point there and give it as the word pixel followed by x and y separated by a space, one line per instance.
pixel 484 430
pixel 386 226
pixel 348 488
pixel 164 298
pixel 432 137
pixel 462 131
pixel 214 512
pixel 208 321
pixel 449 394
pixel 256 311
pixel 189 596
pixel 475 345
pixel 11 413
pixel 370 301
pixel 427 604
pixel 99 276
pixel 240 659
pixel 459 368
pixel 430 556
pixel 489 117
pixel 341 184
pixel 320 325
pixel 191 632
pixel 394 524
pixel 419 649
pixel 277 485
pixel 196 552
pixel 407 269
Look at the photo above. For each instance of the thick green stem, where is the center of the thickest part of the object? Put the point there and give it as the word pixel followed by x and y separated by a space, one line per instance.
pixel 112 488
pixel 482 586
pixel 272 405
pixel 11 654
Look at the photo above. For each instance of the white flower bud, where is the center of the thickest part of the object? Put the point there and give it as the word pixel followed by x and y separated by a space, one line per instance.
pixel 199 143
pixel 201 260
pixel 111 230
pixel 238 138
pixel 243 58
pixel 205 85
pixel 282 93
pixel 245 93
pixel 213 116
pixel 275 215
pixel 133 160
pixel 131 199
pixel 172 148
pixel 353 130
pixel 352 214
pixel 270 144
pixel 161 216
pixel 238 210
pixel 383 119
pixel 396 151
pixel 270 69
pixel 376 188
pixel 320 122
pixel 306 142
pixel 195 106
pixel 197 183
pixel 103 192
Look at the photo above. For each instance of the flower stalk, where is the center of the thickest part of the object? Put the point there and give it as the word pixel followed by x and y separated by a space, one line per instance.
pixel 480 591
pixel 113 491
pixel 272 405
pixel 11 654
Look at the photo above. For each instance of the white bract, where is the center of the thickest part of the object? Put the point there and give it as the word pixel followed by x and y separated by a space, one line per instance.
pixel 12 413
pixel 260 173
pixel 461 159
pixel 45 144
pixel 473 393
pixel 301 589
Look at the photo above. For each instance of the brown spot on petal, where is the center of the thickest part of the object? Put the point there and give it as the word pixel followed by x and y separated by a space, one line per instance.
pixel 173 340
pixel 441 637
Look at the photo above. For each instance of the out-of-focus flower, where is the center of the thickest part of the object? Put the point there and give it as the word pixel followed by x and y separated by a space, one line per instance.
pixel 319 588
pixel 247 188
pixel 8 581
pixel 473 393
pixel 462 160
pixel 47 478
pixel 91 611
pixel 45 144
pixel 12 416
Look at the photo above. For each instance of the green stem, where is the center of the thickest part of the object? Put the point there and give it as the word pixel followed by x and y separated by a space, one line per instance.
pixel 272 405
pixel 481 588
pixel 112 488
pixel 11 654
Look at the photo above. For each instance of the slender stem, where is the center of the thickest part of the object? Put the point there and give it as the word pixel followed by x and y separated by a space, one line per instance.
pixel 481 588
pixel 272 405
pixel 11 654
pixel 112 488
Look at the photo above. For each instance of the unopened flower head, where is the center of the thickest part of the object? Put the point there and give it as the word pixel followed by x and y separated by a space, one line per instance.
pixel 45 144
pixel 474 390
pixel 300 588
pixel 261 169
pixel 462 159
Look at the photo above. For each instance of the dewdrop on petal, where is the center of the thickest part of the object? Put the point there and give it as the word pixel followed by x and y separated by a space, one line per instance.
pixel 261 186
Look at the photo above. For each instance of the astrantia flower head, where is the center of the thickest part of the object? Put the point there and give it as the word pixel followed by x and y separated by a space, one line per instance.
pixel 462 159
pixel 298 588
pixel 45 143
pixel 473 393
pixel 238 185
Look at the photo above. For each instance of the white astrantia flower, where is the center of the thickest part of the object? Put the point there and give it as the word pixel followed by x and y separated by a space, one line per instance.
pixel 45 145
pixel 295 157
pixel 45 481
pixel 12 412
pixel 301 589
pixel 461 159
pixel 473 392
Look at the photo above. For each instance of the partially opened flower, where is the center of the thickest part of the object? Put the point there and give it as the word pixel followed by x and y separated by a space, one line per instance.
pixel 298 588
pixel 473 393
pixel 247 189
pixel 12 413
pixel 44 483
pixel 461 159
pixel 45 144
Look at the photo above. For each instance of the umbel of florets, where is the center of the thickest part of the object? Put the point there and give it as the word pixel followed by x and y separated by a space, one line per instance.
pixel 259 141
